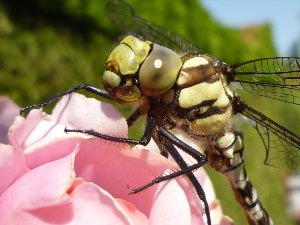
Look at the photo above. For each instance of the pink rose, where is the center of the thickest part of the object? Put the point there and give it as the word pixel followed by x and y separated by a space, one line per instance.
pixel 50 177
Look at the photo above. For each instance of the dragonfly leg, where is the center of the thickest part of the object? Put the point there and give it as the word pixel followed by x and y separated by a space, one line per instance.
pixel 232 166
pixel 167 142
pixel 165 145
pixel 86 87
pixel 144 140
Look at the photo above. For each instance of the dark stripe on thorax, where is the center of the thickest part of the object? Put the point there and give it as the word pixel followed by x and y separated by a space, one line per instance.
pixel 196 75
pixel 213 110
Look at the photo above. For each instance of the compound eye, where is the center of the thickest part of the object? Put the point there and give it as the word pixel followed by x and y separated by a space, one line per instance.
pixel 159 71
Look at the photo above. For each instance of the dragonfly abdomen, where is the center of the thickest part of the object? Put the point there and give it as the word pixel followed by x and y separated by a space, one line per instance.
pixel 233 168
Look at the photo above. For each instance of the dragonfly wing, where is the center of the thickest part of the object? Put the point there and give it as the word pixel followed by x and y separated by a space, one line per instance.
pixel 277 78
pixel 282 145
pixel 125 17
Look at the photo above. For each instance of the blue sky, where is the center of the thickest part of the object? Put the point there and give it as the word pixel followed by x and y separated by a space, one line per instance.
pixel 284 16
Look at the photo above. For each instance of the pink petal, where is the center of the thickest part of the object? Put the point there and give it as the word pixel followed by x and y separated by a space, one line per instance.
pixel 197 208
pixel 38 196
pixel 215 208
pixel 12 166
pixel 43 138
pixel 80 112
pixel 170 206
pixel 107 164
pixel 21 128
pixel 77 182
pixel 135 215
pixel 196 205
pixel 8 111
pixel 93 205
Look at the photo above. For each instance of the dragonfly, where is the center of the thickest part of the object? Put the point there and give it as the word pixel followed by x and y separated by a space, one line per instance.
pixel 181 90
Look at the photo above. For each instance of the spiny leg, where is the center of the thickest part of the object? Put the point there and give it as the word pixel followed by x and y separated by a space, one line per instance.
pixel 167 144
pixel 233 168
pixel 145 139
pixel 86 87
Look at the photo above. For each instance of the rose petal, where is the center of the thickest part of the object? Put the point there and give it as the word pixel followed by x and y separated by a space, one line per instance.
pixel 80 112
pixel 196 205
pixel 93 205
pixel 135 215
pixel 43 187
pixel 170 206
pixel 39 137
pixel 48 141
pixel 22 128
pixel 107 164
pixel 12 166
pixel 127 167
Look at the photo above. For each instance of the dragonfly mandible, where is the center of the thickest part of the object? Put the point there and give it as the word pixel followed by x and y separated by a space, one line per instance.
pixel 180 89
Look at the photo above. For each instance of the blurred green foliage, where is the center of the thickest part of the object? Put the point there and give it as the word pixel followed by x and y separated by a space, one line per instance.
pixel 48 46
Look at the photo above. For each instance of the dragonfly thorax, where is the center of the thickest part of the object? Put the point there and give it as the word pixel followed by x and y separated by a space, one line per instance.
pixel 202 98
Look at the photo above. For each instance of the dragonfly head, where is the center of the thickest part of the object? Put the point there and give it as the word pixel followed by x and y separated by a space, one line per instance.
pixel 138 68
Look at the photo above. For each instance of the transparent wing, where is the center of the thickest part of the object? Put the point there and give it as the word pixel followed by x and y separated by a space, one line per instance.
pixel 282 145
pixel 124 16
pixel 277 78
